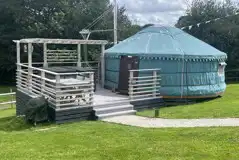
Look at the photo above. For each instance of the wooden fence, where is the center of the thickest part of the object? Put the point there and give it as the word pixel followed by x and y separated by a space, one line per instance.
pixel 10 100
pixel 232 75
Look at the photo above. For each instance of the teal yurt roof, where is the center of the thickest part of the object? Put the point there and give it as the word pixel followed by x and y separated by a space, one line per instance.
pixel 166 43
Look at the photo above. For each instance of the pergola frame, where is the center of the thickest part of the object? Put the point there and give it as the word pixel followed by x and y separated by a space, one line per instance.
pixel 45 42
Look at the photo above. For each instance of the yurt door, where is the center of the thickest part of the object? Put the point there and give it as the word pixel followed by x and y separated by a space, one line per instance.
pixel 127 63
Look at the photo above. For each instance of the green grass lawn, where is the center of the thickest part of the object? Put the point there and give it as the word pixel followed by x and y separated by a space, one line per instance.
pixel 227 106
pixel 98 140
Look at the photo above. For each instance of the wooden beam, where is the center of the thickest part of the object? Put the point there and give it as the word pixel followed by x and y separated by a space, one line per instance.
pixel 63 41
pixel 102 65
pixel 18 52
pixel 45 64
pixel 30 70
pixel 79 55
pixel 85 50
pixel 30 54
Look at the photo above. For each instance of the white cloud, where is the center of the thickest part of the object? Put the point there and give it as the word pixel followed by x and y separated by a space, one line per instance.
pixel 165 12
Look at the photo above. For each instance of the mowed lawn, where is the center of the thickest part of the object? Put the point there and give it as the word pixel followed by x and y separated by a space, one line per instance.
pixel 227 106
pixel 104 141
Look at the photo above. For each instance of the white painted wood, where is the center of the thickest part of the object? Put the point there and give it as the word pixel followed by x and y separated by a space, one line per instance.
pixel 146 77
pixel 29 66
pixel 45 64
pixel 144 87
pixel 18 52
pixel 144 84
pixel 102 66
pixel 131 76
pixel 30 54
pixel 145 70
pixel 60 51
pixel 11 102
pixel 148 80
pixel 7 94
pixel 43 82
pixel 58 79
pixel 62 41
pixel 79 55
pixel 155 81
pixel 145 95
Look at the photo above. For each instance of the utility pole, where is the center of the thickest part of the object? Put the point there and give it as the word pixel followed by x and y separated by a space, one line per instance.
pixel 115 22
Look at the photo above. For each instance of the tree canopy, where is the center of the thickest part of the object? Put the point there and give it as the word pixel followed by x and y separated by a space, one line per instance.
pixel 222 34
pixel 52 19
pixel 65 18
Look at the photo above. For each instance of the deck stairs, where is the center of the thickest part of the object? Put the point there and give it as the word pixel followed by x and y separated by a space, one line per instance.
pixel 113 109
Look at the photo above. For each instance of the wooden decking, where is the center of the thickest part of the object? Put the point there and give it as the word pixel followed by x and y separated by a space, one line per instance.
pixel 104 96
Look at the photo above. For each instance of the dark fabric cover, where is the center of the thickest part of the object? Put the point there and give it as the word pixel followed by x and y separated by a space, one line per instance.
pixel 36 110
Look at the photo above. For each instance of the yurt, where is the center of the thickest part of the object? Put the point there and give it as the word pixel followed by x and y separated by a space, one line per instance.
pixel 190 68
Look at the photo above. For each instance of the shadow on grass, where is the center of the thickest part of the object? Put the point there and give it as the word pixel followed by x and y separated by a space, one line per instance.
pixel 9 124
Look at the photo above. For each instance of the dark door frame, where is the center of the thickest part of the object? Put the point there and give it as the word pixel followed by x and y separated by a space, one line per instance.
pixel 127 63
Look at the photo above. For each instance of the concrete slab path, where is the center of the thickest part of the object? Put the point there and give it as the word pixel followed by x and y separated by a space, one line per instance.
pixel 133 120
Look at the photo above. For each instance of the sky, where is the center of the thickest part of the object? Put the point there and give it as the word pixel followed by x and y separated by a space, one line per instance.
pixel 164 12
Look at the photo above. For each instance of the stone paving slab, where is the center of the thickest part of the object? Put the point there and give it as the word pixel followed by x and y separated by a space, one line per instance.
pixel 144 122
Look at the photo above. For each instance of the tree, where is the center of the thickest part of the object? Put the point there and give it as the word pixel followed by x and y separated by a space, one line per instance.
pixel 222 34
pixel 51 19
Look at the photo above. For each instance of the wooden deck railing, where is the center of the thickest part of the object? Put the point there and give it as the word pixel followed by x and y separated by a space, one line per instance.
pixel 145 85
pixel 61 89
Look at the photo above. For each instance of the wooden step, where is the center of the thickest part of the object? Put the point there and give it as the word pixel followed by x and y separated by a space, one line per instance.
pixel 112 109
pixel 111 104
pixel 114 114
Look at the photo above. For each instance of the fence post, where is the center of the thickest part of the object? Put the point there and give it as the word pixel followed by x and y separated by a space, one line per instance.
pixel 92 84
pixel 155 83
pixel 11 98
pixel 99 71
pixel 58 78
pixel 131 87
pixel 102 65
pixel 79 55
pixel 19 68
pixel 30 72
pixel 19 75
pixel 45 64
pixel 43 82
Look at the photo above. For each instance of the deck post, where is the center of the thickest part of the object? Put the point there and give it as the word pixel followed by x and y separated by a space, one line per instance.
pixel 102 65
pixel 45 64
pixel 58 78
pixel 18 52
pixel 155 83
pixel 131 88
pixel 30 66
pixel 92 84
pixel 19 68
pixel 43 82
pixel 79 55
